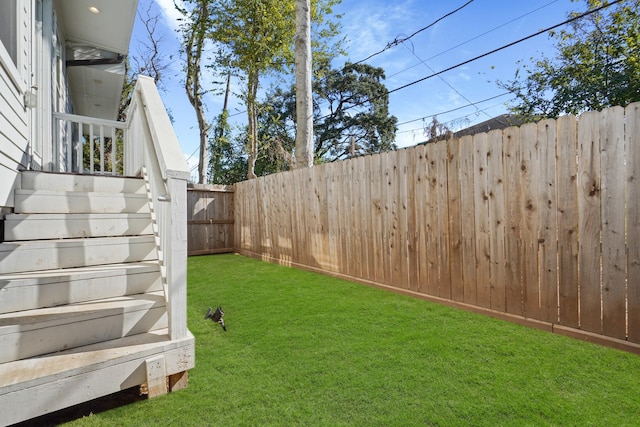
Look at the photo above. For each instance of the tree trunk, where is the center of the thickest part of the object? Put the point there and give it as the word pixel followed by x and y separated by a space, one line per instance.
pixel 252 118
pixel 304 103
pixel 193 48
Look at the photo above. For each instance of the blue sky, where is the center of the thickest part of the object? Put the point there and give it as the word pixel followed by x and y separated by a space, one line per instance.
pixel 369 25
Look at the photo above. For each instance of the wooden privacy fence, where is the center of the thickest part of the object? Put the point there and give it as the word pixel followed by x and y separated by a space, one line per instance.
pixel 539 224
pixel 210 219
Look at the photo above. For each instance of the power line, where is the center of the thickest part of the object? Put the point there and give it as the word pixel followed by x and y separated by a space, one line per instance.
pixel 455 109
pixel 476 37
pixel 456 120
pixel 442 78
pixel 468 61
pixel 575 18
pixel 397 40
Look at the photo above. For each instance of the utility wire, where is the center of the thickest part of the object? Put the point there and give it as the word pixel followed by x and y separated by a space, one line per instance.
pixel 455 109
pixel 412 50
pixel 575 18
pixel 398 41
pixel 476 37
pixel 456 120
pixel 453 67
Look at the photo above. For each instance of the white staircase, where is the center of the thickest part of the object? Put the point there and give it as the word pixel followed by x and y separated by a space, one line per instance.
pixel 80 278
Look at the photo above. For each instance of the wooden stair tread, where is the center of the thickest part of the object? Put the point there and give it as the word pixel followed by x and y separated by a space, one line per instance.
pixel 72 313
pixel 22 374
pixel 47 243
pixel 74 216
pixel 79 273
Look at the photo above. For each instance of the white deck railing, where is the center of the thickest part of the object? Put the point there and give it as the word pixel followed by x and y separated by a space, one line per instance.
pixel 79 136
pixel 145 144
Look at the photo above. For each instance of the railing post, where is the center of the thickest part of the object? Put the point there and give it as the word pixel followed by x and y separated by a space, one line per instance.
pixel 177 258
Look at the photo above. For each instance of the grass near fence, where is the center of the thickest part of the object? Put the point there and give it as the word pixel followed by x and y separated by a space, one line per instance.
pixel 306 349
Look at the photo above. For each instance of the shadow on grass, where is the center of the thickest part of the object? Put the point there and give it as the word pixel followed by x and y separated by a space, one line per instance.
pixel 86 409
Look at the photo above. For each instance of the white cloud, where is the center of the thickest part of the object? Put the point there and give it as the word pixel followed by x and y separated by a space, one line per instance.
pixel 169 12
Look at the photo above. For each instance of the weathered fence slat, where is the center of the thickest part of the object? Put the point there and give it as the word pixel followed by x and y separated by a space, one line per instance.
pixel 590 221
pixel 513 264
pixel 483 226
pixel 467 200
pixel 548 217
pixel 632 145
pixel 496 204
pixel 421 184
pixel 529 180
pixel 455 220
pixel 567 221
pixel 613 228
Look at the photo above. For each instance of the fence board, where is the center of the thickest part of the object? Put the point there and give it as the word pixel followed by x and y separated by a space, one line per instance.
pixel 529 187
pixel 482 223
pixel 442 226
pixel 402 279
pixel 334 213
pixel 455 220
pixel 347 224
pixel 432 221
pixel 327 259
pixel 360 215
pixel 513 259
pixel 590 221
pixel 412 222
pixel 386 188
pixel 368 211
pixel 393 225
pixel 467 200
pixel 567 196
pixel 422 185
pixel 377 208
pixel 632 146
pixel 613 227
pixel 547 217
pixel 496 205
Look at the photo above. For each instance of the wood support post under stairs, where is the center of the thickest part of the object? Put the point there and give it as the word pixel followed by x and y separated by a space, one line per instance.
pixel 156 376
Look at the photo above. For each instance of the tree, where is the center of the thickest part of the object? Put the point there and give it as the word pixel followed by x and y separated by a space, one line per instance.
pixel 356 120
pixel 146 57
pixel 304 102
pixel 195 28
pixel 436 131
pixel 227 165
pixel 596 66
pixel 351 117
pixel 256 37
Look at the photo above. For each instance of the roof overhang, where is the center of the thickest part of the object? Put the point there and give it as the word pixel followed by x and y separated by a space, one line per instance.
pixel 97 35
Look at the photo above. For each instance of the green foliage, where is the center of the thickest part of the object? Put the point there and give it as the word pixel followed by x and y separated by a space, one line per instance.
pixel 194 28
pixel 92 161
pixel 227 165
pixel 303 349
pixel 351 117
pixel 256 37
pixel 356 120
pixel 597 66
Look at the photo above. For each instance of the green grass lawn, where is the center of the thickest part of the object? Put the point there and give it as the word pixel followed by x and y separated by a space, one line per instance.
pixel 311 350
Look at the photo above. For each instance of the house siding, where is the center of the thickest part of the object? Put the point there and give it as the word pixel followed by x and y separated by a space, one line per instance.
pixel 14 117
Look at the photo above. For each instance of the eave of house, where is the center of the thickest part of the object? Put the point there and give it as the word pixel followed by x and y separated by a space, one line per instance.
pixel 97 35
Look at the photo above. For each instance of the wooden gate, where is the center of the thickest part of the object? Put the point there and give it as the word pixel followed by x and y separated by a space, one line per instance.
pixel 210 219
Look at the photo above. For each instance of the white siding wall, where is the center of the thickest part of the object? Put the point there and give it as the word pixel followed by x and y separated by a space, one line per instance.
pixel 14 118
